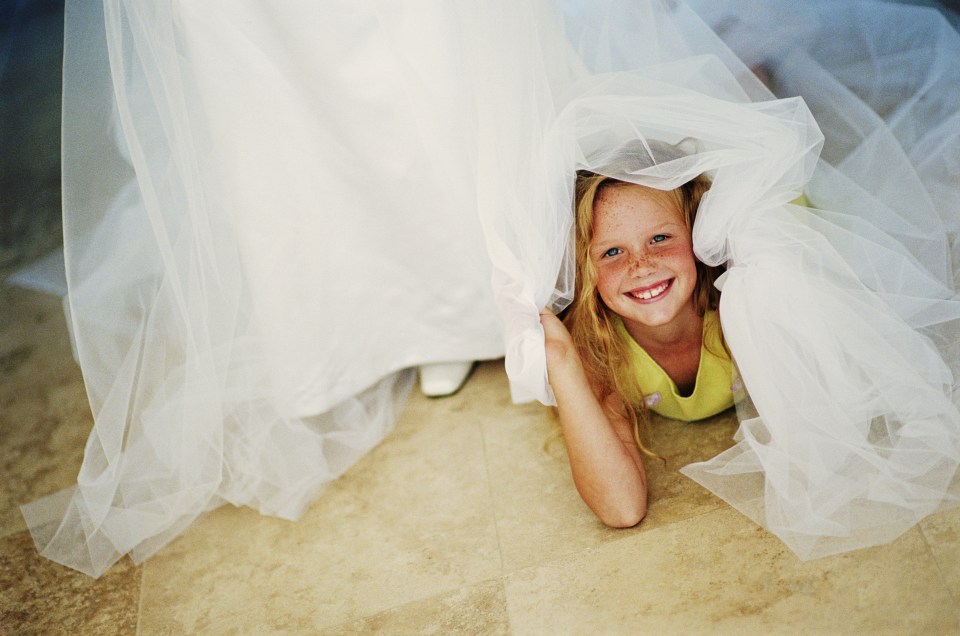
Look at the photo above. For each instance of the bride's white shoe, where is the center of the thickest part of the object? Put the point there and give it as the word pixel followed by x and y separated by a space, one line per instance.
pixel 444 378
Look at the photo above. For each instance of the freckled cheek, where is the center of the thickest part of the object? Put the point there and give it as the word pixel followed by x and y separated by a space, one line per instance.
pixel 678 258
pixel 608 280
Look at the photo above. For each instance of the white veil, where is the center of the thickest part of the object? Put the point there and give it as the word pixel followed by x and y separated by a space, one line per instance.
pixel 258 239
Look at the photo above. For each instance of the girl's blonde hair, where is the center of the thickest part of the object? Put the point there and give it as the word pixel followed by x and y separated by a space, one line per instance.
pixel 592 324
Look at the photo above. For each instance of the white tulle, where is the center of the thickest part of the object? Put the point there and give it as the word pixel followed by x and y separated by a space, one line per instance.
pixel 844 319
pixel 271 209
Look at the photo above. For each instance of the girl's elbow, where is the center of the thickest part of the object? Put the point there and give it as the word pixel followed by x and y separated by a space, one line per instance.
pixel 624 516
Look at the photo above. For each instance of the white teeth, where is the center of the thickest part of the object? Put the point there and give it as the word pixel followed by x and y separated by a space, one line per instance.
pixel 652 293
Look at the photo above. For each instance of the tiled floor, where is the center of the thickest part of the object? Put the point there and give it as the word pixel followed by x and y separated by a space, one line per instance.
pixel 464 520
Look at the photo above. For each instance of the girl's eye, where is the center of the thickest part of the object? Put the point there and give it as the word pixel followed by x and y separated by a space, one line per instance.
pixel 613 251
pixel 659 238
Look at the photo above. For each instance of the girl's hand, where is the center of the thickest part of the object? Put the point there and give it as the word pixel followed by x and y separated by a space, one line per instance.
pixel 557 341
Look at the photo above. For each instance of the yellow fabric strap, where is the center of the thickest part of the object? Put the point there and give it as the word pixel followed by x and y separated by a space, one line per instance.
pixel 712 392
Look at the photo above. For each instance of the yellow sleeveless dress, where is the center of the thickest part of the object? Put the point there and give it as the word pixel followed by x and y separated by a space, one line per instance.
pixel 713 391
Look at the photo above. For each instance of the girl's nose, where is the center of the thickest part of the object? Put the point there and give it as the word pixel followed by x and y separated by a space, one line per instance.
pixel 642 263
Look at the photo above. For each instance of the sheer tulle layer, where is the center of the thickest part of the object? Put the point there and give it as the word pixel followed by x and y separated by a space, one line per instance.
pixel 259 238
pixel 258 233
pixel 857 435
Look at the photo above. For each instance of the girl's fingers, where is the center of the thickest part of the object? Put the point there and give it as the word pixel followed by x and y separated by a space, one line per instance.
pixel 554 331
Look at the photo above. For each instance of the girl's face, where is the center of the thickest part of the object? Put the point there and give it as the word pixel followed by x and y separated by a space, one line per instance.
pixel 643 254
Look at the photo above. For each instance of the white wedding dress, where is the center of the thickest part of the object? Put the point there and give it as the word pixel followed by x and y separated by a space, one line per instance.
pixel 272 209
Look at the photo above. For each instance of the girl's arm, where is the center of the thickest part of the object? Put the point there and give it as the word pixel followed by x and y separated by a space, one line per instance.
pixel 604 458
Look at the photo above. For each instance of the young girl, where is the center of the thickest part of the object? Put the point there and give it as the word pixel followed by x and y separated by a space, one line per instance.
pixel 643 333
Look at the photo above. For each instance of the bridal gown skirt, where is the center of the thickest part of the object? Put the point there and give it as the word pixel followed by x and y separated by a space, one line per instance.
pixel 272 209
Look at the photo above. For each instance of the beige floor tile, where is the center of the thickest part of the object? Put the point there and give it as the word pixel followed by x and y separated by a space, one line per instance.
pixel 40 597
pixel 412 520
pixel 538 510
pixel 720 574
pixel 540 515
pixel 675 497
pixel 478 609
pixel 942 532
pixel 44 414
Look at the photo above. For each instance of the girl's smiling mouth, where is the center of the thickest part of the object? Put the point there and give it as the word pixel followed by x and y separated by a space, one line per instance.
pixel 650 293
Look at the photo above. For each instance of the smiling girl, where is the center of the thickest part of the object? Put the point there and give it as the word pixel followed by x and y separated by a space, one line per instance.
pixel 643 334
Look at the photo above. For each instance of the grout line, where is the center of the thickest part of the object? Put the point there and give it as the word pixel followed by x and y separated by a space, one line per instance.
pixel 493 505
pixel 628 535
pixel 406 604
pixel 506 603
pixel 10 532
pixel 936 565
pixel 143 576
